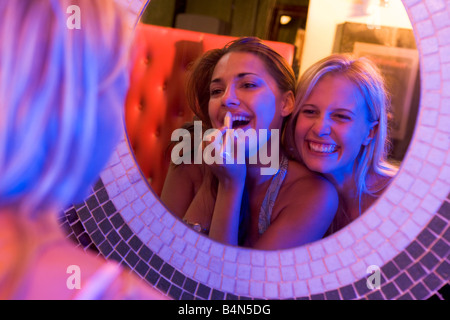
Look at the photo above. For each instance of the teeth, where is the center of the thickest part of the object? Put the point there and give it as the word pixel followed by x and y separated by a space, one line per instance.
pixel 323 148
pixel 240 118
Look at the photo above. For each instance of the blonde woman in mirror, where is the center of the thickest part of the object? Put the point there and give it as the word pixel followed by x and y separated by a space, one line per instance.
pixel 247 87
pixel 339 128
pixel 61 102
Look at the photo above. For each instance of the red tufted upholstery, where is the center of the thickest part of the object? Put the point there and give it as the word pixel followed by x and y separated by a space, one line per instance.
pixel 155 104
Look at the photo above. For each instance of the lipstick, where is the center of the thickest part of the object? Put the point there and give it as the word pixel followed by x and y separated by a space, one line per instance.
pixel 228 121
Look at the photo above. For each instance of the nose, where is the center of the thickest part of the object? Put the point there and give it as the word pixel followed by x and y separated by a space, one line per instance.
pixel 322 127
pixel 229 97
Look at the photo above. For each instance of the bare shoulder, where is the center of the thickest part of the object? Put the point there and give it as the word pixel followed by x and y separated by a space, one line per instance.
pixel 303 211
pixel 305 192
pixel 180 186
pixel 183 176
pixel 301 179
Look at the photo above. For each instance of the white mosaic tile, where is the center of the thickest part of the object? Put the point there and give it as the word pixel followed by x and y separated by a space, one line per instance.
pixel 359 269
pixel 216 250
pixel 431 203
pixel 330 281
pixel 258 273
pixel 201 274
pixel 273 274
pixel 301 255
pixel 399 240
pixel 303 271
pixel 178 244
pixel 189 268
pixel 315 285
pixel 387 229
pixel 359 228
pixel 387 251
pixel 243 272
pixel 419 12
pixel 270 290
pixel 345 239
pixel 167 237
pixel 331 245
pixel 177 261
pixel 345 276
pixel 258 258
pixel 332 263
pixel 165 252
pixel 435 5
pixel 272 259
pixel 244 257
pixel 242 288
pixel 286 290
pixel 347 257
pixel 256 289
pixel 190 252
pixel 411 229
pixel 318 268
pixel 429 173
pixel 425 29
pixel 373 259
pixel 154 243
pixel 301 289
pixel 316 251
pixel 371 220
pixel 286 258
pixel 375 239
pixel 229 269
pixel 430 45
pixel 227 284
pixel 421 216
pixel 288 273
pixel 361 249
pixel 214 280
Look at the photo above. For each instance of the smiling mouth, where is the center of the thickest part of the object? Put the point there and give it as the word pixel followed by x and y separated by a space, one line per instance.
pixel 322 148
pixel 239 121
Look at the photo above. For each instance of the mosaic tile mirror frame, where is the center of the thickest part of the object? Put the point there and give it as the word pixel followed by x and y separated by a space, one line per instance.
pixel 406 233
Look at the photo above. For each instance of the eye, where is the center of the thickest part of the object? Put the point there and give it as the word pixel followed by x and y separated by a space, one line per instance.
pixel 249 85
pixel 308 111
pixel 342 117
pixel 215 91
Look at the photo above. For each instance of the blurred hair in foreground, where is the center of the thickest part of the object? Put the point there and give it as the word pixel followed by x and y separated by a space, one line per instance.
pixel 59 117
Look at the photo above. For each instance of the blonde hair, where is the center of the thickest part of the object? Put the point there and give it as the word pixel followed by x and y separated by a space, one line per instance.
pixel 373 158
pixel 62 95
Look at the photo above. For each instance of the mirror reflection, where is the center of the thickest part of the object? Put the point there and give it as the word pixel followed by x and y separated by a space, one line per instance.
pixel 335 131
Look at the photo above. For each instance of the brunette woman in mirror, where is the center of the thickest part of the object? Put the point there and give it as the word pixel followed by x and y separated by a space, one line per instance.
pixel 339 128
pixel 245 87
pixel 62 94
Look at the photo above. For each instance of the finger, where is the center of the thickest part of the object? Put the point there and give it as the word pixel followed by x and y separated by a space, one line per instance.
pixel 228 121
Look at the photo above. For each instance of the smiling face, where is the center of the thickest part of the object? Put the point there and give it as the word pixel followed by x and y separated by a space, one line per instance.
pixel 242 85
pixel 333 126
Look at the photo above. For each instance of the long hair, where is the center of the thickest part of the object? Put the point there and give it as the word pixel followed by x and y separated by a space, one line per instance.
pixel 373 158
pixel 62 94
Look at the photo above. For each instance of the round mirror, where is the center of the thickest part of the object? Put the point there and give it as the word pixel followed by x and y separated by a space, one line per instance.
pixel 402 240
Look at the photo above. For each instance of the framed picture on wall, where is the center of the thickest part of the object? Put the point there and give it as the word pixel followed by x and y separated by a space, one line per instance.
pixel 399 67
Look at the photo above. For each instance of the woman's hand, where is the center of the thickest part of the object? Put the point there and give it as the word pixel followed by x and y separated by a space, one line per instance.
pixel 225 165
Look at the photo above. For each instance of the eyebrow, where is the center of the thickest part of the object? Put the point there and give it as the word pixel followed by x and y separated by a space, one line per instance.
pixel 240 75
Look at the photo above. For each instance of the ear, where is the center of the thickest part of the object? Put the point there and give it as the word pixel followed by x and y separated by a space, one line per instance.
pixel 288 104
pixel 373 127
